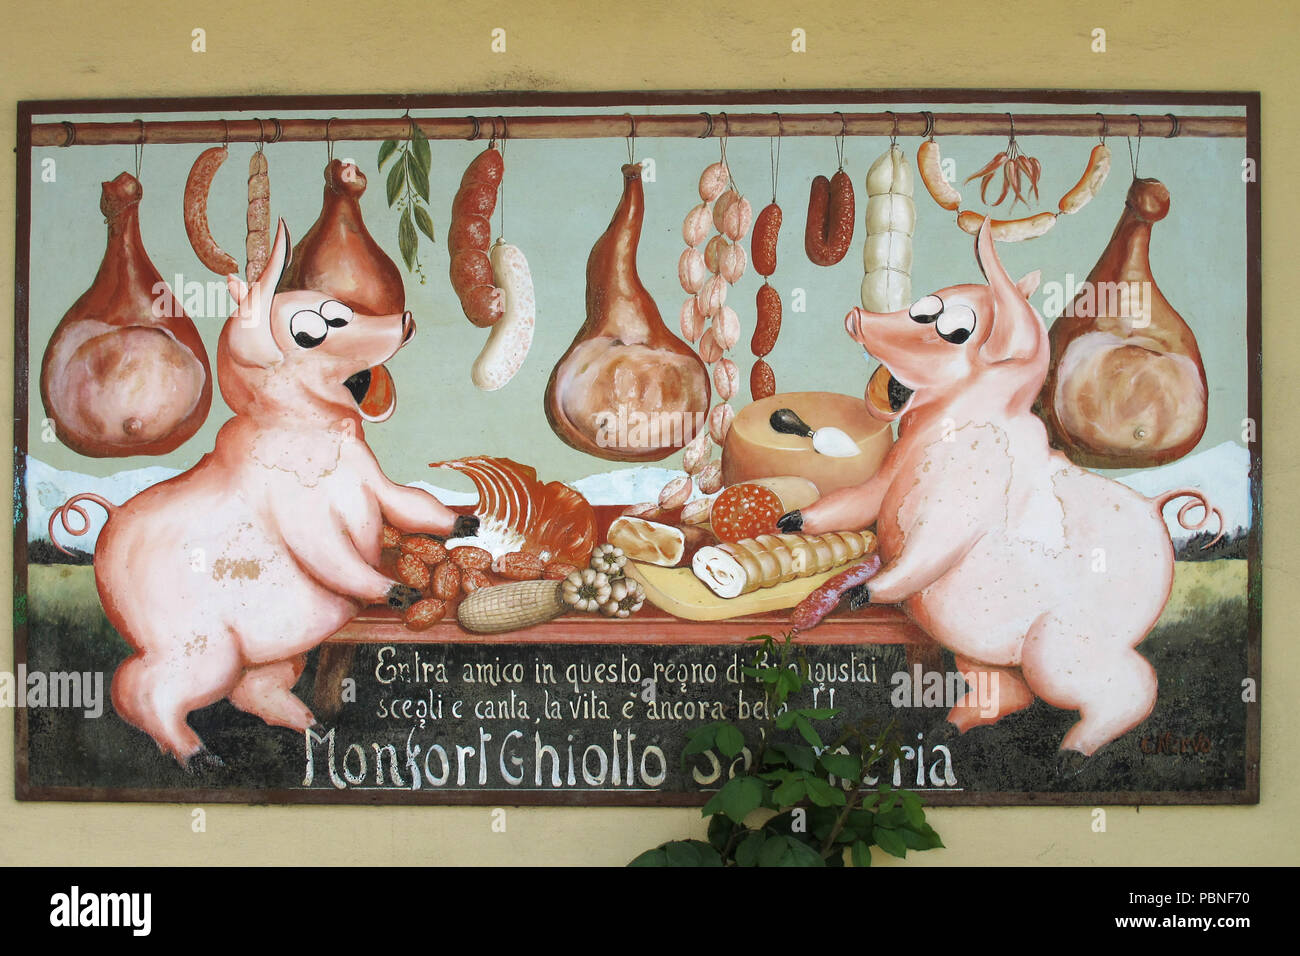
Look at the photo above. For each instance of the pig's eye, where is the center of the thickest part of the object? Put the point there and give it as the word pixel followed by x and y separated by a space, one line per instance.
pixel 336 314
pixel 926 310
pixel 308 328
pixel 956 324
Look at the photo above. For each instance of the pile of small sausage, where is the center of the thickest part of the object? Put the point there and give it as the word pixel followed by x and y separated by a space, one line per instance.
pixel 443 575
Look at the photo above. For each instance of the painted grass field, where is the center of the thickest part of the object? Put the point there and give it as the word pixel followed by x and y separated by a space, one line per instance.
pixel 1194 740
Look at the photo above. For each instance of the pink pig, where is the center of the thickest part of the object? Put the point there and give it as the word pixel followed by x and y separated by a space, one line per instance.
pixel 1036 572
pixel 222 578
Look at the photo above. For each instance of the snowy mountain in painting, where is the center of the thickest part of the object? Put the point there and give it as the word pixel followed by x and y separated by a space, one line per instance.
pixel 1220 472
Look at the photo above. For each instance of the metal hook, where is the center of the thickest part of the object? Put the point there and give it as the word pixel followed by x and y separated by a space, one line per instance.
pixel 928 132
pixel 839 145
pixel 139 149
pixel 71 133
pixel 225 136
pixel 1012 120
pixel 893 136
pixel 329 144
pixel 474 135
pixel 1173 126
pixel 631 138
pixel 1133 159
pixel 279 131
pixel 261 134
pixel 708 131
pixel 1104 128
pixel 774 152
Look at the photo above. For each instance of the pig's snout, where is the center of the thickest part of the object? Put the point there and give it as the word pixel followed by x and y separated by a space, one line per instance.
pixel 852 324
pixel 855 323
pixel 408 327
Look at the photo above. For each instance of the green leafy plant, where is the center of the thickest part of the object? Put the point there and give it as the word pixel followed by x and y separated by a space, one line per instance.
pixel 824 805
pixel 408 190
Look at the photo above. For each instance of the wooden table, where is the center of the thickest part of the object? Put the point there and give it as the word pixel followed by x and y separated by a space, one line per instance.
pixel 876 624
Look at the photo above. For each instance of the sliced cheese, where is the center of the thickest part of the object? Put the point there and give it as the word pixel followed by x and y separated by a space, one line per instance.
pixel 678 592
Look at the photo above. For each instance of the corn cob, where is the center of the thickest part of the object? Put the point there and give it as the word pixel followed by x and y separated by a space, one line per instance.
pixel 734 568
pixel 509 607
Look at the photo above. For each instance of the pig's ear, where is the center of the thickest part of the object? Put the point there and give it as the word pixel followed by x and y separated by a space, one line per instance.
pixel 281 256
pixel 249 336
pixel 1015 333
pixel 1028 284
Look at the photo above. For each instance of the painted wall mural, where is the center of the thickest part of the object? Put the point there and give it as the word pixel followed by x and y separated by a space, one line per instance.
pixel 545 404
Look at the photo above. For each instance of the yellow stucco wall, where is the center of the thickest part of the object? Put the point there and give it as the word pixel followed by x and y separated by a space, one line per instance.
pixel 92 48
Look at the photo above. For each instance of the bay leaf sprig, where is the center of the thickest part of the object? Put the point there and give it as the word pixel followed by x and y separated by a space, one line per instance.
pixel 408 190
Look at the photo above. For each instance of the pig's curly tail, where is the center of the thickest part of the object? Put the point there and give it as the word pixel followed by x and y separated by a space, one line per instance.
pixel 71 506
pixel 1198 500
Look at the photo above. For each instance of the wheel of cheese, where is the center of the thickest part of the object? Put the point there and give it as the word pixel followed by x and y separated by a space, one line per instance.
pixel 753 449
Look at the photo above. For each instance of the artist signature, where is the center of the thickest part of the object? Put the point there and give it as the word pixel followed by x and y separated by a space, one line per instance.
pixel 1170 743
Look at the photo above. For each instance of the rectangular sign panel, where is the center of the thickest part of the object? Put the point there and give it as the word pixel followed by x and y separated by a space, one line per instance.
pixel 451 449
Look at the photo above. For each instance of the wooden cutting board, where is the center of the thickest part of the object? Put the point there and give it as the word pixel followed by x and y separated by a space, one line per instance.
pixel 679 592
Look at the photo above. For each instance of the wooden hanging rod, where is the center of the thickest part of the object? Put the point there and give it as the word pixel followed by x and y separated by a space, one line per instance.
pixel 592 126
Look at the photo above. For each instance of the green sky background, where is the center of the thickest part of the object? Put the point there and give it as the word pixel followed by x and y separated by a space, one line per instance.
pixel 558 198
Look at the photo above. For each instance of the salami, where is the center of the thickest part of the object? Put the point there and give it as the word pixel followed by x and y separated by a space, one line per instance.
pixel 197 185
pixel 768 325
pixel 257 244
pixel 829 230
pixel 745 511
pixel 482 301
pixel 762 248
pixel 814 608
pixel 762 381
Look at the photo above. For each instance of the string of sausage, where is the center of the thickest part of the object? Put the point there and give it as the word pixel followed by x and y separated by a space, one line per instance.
pixel 469 236
pixel 1011 230
pixel 706 277
pixel 762 380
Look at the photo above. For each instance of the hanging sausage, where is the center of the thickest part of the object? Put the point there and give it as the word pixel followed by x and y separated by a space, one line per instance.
pixel 1126 387
pixel 627 389
pixel 125 372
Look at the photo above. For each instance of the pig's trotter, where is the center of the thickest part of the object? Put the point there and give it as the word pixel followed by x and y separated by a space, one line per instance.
pixel 1071 763
pixel 791 522
pixel 400 597
pixel 466 526
pixel 857 597
pixel 203 762
pixel 945 732
pixel 332 668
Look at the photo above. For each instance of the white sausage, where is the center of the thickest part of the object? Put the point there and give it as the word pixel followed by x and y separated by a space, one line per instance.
pixel 512 336
pixel 890 220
